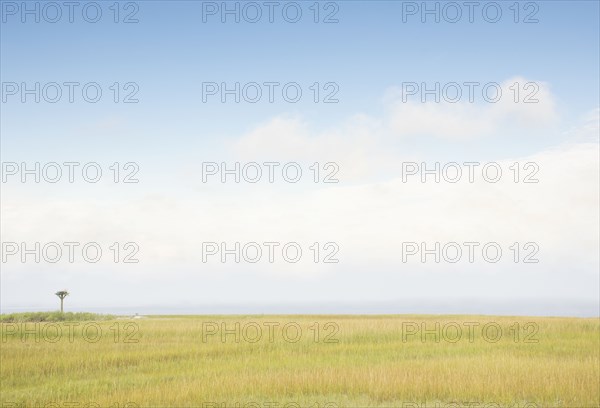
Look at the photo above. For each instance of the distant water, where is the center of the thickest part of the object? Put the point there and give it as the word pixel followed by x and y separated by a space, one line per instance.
pixel 475 307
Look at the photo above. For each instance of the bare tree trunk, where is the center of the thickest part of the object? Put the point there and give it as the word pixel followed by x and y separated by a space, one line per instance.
pixel 61 305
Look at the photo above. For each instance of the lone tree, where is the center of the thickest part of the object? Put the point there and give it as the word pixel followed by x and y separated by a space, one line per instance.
pixel 62 294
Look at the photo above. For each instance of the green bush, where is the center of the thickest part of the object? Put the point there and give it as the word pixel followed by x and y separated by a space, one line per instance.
pixel 52 317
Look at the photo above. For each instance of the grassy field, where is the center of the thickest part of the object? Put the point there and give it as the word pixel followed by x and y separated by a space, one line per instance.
pixel 315 361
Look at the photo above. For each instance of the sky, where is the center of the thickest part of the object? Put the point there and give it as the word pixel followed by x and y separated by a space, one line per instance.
pixel 377 94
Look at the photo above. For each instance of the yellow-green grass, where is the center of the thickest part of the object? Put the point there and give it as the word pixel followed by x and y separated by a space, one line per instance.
pixel 356 361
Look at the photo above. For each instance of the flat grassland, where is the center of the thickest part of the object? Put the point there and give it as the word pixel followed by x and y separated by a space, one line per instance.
pixel 315 361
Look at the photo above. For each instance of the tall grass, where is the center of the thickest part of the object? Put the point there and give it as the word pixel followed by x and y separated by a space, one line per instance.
pixel 368 361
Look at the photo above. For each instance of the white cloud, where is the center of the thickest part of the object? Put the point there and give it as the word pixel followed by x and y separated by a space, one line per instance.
pixel 365 147
pixel 355 145
pixel 369 220
pixel 534 107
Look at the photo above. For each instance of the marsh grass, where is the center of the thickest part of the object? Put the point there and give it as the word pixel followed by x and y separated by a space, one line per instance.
pixel 373 363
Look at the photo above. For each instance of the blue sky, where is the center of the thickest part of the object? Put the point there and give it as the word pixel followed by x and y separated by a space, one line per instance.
pixel 369 53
